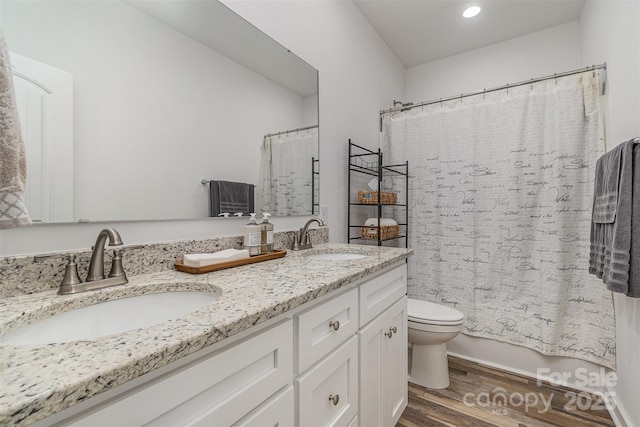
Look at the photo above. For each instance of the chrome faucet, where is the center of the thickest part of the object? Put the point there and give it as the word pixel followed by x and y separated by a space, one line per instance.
pixel 96 266
pixel 301 238
pixel 71 282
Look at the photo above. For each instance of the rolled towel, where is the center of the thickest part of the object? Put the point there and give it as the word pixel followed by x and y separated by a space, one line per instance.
pixel 373 222
pixel 202 260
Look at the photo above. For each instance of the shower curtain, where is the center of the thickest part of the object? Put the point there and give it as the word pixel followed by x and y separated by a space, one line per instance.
pixel 286 172
pixel 500 207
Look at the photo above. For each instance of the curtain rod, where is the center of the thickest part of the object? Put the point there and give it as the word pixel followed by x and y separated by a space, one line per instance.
pixel 290 131
pixel 494 89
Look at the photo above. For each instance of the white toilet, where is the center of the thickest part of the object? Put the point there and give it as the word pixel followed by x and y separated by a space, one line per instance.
pixel 430 327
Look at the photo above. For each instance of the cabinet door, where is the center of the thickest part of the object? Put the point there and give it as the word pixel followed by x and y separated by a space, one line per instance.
pixel 322 328
pixel 396 384
pixel 383 367
pixel 372 366
pixel 328 392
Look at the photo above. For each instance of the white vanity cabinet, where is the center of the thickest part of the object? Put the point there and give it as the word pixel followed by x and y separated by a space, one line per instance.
pixel 383 349
pixel 340 360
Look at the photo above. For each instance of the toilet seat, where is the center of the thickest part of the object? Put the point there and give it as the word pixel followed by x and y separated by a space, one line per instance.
pixel 430 313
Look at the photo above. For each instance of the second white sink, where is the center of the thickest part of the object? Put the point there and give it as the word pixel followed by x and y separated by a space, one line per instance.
pixel 108 318
pixel 337 256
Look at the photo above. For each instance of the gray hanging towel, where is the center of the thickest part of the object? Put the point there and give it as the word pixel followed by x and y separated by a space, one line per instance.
pixel 614 254
pixel 231 197
pixel 634 259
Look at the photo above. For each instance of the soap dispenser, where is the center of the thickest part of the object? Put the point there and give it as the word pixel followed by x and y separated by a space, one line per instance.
pixel 266 239
pixel 252 236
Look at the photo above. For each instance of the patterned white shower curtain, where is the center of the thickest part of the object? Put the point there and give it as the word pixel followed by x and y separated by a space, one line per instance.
pixel 286 169
pixel 500 207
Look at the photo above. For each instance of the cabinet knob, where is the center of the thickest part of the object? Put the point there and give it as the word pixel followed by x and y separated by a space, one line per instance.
pixel 335 399
pixel 391 331
pixel 335 324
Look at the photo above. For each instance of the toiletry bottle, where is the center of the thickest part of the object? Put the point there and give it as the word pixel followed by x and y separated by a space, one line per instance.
pixel 266 235
pixel 252 236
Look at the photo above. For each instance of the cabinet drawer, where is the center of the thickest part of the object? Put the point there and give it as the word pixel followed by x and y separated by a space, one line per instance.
pixel 275 412
pixel 379 293
pixel 328 393
pixel 222 387
pixel 321 329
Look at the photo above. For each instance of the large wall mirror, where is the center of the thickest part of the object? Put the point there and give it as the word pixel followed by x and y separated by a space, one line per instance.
pixel 131 108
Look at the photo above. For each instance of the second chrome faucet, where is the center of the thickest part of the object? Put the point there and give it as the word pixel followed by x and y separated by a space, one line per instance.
pixel 301 239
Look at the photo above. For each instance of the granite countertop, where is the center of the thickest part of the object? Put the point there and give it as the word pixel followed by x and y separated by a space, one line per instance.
pixel 38 381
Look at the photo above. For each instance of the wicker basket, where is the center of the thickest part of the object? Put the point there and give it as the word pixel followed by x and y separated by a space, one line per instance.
pixel 371 197
pixel 386 232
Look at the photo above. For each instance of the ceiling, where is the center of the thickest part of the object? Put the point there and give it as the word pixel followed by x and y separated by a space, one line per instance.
pixel 420 31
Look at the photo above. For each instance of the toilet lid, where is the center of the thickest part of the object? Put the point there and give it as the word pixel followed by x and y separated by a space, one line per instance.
pixel 429 312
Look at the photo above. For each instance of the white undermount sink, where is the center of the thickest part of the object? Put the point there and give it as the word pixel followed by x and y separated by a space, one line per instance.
pixel 337 256
pixel 108 318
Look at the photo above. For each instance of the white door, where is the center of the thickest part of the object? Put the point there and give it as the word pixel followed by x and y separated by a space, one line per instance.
pixel 44 96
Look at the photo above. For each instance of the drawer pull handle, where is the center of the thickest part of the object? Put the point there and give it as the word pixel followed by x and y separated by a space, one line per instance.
pixel 391 331
pixel 335 324
pixel 335 399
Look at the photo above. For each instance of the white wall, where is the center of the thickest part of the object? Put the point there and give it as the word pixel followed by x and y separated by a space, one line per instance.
pixel 610 32
pixel 358 76
pixel 154 111
pixel 539 54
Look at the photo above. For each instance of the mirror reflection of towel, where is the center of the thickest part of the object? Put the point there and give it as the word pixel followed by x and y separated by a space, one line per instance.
pixel 231 197
pixel 13 167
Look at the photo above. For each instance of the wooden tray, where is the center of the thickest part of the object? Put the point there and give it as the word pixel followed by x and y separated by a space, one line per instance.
pixel 230 264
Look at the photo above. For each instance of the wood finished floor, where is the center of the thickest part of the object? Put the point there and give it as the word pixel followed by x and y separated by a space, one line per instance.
pixel 482 385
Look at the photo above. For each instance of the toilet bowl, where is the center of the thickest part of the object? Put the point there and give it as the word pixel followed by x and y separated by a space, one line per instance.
pixel 430 327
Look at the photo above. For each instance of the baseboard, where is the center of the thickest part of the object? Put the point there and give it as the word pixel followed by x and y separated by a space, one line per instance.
pixel 526 373
pixel 617 412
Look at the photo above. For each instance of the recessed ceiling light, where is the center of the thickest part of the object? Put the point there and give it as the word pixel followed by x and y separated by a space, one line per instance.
pixel 472 11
